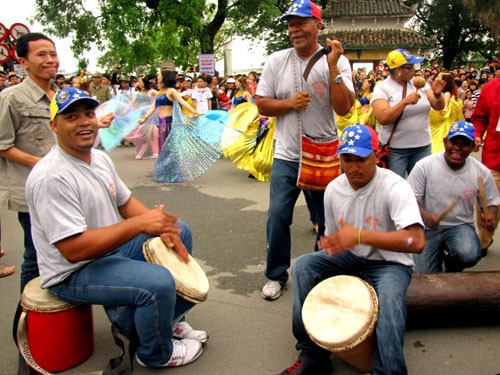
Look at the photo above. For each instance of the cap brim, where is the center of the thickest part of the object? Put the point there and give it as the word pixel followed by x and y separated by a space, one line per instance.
pixel 415 60
pixel 90 100
pixel 461 134
pixel 288 15
pixel 359 151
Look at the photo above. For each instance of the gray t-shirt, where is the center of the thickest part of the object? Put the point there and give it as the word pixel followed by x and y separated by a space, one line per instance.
pixel 66 197
pixel 385 204
pixel 414 126
pixel 436 185
pixel 318 119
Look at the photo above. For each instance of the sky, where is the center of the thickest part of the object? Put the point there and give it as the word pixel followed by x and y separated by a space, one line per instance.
pixel 244 56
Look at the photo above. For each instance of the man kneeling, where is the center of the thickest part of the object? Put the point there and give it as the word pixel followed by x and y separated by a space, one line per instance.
pixel 88 254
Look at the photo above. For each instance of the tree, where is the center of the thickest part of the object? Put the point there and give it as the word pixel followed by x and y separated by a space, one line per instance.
pixel 488 12
pixel 457 32
pixel 132 33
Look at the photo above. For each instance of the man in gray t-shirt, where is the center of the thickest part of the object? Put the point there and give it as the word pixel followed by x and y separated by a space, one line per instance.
pixel 89 232
pixel 301 106
pixel 447 186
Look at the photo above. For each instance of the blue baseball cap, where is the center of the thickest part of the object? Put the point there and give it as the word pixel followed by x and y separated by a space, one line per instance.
pixel 463 128
pixel 67 96
pixel 358 140
pixel 302 8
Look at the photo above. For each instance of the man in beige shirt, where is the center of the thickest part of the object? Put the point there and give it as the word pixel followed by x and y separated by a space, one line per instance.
pixel 99 90
pixel 25 134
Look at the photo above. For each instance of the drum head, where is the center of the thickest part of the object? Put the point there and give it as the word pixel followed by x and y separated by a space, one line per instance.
pixel 34 298
pixel 190 280
pixel 340 312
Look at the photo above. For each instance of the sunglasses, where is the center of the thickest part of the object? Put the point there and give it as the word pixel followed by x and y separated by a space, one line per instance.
pixel 408 67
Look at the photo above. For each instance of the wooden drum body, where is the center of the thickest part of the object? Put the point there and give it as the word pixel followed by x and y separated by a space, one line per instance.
pixel 59 335
pixel 191 282
pixel 340 314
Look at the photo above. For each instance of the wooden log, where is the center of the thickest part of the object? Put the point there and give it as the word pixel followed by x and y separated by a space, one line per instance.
pixel 455 298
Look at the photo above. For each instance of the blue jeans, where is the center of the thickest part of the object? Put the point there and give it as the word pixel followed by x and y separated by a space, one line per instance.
pixel 139 297
pixel 390 281
pixel 402 160
pixel 283 196
pixel 29 268
pixel 458 247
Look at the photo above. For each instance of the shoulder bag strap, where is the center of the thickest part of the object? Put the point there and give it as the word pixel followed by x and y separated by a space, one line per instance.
pixel 399 118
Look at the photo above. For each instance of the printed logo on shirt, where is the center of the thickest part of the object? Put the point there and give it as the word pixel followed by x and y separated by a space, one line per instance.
pixel 372 223
pixel 319 88
pixel 112 190
pixel 469 194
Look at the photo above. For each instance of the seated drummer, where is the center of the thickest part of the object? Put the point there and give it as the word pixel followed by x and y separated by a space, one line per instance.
pixel 88 254
pixel 372 226
pixel 439 180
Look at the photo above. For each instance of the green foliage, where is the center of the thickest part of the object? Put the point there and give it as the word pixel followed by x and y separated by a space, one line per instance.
pixel 458 33
pixel 132 33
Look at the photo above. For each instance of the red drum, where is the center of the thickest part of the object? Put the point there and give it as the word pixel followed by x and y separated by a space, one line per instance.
pixel 58 335
pixel 191 282
pixel 339 315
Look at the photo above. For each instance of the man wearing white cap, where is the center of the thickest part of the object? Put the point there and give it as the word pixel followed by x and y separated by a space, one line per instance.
pixel 372 227
pixel 301 105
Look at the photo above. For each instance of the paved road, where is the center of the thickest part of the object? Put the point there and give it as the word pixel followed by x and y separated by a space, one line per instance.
pixel 248 336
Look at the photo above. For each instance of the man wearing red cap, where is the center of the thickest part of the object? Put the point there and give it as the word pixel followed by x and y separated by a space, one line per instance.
pixel 301 105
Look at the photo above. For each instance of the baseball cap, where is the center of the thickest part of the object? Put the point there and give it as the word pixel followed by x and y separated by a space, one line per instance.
pixel 463 128
pixel 399 57
pixel 67 96
pixel 302 8
pixel 231 80
pixel 359 140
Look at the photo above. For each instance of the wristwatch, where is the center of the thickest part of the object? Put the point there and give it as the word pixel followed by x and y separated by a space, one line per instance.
pixel 338 79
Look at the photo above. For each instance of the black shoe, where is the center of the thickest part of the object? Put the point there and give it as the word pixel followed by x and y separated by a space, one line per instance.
pixel 484 251
pixel 303 368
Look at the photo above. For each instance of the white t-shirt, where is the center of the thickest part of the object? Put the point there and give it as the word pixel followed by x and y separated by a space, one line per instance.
pixel 414 126
pixel 318 119
pixel 436 185
pixel 66 197
pixel 202 96
pixel 385 204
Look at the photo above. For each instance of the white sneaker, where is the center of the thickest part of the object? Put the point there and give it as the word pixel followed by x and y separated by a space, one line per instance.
pixel 184 351
pixel 272 290
pixel 182 330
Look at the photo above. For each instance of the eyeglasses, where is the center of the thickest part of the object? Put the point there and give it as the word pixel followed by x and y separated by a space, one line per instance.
pixel 408 67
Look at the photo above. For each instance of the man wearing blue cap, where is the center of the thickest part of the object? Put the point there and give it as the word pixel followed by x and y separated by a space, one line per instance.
pixel 302 89
pixel 447 186
pixel 89 231
pixel 372 227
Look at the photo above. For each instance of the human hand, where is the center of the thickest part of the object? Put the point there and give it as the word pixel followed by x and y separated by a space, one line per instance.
pixel 478 143
pixel 174 242
pixel 438 85
pixel 345 238
pixel 158 221
pixel 105 121
pixel 337 51
pixel 301 100
pixel 431 220
pixel 412 98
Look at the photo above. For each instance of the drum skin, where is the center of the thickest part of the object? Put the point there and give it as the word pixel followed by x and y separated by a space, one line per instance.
pixel 191 282
pixel 60 335
pixel 340 314
pixel 453 299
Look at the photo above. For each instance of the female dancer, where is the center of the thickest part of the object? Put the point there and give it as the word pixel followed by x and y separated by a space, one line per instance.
pixel 243 92
pixel 165 102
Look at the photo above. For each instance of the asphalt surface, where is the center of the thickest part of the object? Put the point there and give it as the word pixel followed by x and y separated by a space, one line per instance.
pixel 248 335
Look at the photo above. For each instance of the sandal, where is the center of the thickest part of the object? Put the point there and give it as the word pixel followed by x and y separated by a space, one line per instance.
pixel 7 270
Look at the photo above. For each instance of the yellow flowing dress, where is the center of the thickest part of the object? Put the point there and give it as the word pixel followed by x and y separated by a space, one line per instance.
pixel 440 122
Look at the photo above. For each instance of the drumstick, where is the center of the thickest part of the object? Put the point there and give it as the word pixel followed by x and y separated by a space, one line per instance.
pixel 447 210
pixel 482 196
